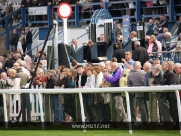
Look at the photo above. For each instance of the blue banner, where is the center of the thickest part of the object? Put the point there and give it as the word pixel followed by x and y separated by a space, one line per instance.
pixel 126 28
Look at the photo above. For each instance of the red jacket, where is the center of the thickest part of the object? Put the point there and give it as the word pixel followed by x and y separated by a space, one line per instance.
pixel 42 80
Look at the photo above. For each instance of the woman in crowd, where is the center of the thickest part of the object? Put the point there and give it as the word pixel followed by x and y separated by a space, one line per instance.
pixel 154 46
pixel 66 83
pixel 40 79
pixel 72 107
pixel 22 39
pixel 90 83
pixel 121 100
pixel 98 98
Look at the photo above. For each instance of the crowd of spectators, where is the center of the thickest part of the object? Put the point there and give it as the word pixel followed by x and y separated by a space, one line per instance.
pixel 140 67
pixel 134 72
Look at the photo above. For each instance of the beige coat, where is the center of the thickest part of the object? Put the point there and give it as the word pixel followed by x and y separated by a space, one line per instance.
pixel 27 59
pixel 9 9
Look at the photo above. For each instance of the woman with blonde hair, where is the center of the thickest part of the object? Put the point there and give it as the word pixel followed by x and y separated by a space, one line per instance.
pixel 102 109
pixel 69 103
pixel 120 99
pixel 124 77
pixel 40 78
pixel 90 83
pixel 154 46
pixel 171 65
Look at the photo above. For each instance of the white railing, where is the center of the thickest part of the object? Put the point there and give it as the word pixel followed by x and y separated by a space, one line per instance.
pixel 79 91
pixel 12 105
pixel 16 98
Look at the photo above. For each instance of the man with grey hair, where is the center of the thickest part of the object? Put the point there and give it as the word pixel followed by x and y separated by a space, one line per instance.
pixel 166 46
pixel 140 53
pixel 177 69
pixel 135 79
pixel 24 77
pixel 170 79
pixel 160 36
pixel 158 76
pixel 133 37
pixel 167 38
pixel 72 49
pixel 6 83
pixel 147 68
pixel 150 30
pixel 161 96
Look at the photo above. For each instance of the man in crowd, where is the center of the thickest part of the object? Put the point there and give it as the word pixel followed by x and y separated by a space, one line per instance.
pixel 72 49
pixel 177 70
pixel 24 77
pixel 150 30
pixel 50 84
pixel 102 38
pixel 163 23
pixel 114 80
pixel 119 52
pixel 169 78
pixel 28 40
pixel 155 28
pixel 140 53
pixel 14 41
pixel 137 78
pixel 9 63
pixel 133 37
pixel 6 83
pixel 3 60
pixel 128 61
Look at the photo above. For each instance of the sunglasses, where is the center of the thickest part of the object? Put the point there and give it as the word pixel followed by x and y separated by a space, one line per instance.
pixel 126 54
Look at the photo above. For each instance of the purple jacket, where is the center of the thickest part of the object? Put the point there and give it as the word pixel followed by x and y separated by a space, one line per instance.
pixel 114 80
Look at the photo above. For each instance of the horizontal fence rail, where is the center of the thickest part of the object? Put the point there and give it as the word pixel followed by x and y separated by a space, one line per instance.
pixel 81 91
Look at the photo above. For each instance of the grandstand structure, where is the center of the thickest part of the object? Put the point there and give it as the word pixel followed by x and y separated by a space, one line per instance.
pixel 39 33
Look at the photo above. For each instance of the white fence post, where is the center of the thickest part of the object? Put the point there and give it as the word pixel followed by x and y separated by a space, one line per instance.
pixel 13 98
pixel 5 111
pixel 179 108
pixel 128 112
pixel 82 111
pixel 41 110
